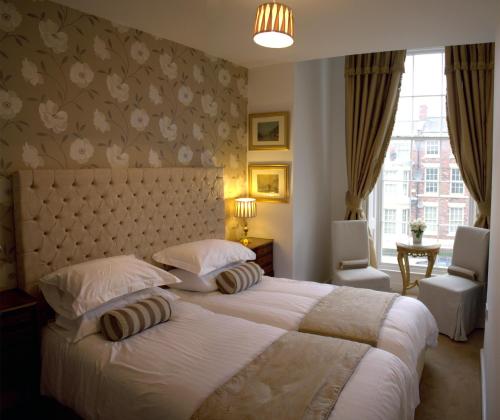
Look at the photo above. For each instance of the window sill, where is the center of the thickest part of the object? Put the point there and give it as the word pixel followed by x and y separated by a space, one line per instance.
pixel 415 269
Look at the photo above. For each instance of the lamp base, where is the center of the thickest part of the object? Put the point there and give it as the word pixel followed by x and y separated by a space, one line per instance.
pixel 244 241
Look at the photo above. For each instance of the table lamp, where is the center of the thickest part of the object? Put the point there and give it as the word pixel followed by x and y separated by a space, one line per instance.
pixel 244 209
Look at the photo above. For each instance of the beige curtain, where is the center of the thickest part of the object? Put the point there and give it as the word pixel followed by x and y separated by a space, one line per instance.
pixel 469 76
pixel 372 92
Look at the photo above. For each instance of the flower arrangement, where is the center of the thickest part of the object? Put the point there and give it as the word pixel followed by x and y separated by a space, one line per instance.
pixel 417 228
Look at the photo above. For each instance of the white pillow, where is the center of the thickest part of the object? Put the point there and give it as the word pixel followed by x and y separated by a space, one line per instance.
pixel 203 257
pixel 89 323
pixel 196 283
pixel 74 290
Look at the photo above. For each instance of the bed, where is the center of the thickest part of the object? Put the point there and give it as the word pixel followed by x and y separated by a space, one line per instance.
pixel 407 331
pixel 65 217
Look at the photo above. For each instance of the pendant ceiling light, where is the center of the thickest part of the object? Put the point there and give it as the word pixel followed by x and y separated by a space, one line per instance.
pixel 273 26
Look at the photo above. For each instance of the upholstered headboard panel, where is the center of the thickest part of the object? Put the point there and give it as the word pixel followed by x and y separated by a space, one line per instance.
pixel 65 217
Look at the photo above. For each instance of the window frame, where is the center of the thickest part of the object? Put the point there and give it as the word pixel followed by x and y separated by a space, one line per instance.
pixel 374 203
pixel 455 182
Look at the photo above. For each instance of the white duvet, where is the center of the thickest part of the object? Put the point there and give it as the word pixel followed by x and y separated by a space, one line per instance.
pixel 166 372
pixel 406 332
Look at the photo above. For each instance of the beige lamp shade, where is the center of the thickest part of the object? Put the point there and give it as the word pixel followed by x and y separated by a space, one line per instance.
pixel 245 208
pixel 273 26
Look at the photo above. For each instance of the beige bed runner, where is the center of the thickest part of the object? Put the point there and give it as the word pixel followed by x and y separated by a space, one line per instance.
pixel 299 376
pixel 349 313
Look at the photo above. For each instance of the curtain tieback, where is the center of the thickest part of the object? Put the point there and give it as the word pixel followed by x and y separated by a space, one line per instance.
pixel 484 208
pixel 353 202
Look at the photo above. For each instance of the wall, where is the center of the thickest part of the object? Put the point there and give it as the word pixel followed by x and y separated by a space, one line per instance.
pixel 271 89
pixel 338 153
pixel 313 91
pixel 492 328
pixel 77 91
pixel 311 203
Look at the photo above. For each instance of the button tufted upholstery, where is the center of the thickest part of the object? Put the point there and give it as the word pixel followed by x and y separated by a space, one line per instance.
pixel 65 217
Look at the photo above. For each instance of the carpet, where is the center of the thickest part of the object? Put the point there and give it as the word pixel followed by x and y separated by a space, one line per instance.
pixel 451 381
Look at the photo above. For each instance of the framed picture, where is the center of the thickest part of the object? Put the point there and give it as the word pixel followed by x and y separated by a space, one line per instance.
pixel 268 131
pixel 268 182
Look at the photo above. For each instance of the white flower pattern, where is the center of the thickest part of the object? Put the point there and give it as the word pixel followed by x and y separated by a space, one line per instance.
pixel 100 49
pixel 224 77
pixel 117 158
pixel 185 154
pixel 31 157
pixel 223 130
pixel 10 18
pixel 209 105
pixel 185 95
pixel 198 132
pixel 81 150
pixel 30 72
pixel 118 89
pixel 10 104
pixel 139 52
pixel 54 118
pixel 154 95
pixel 198 74
pixel 235 113
pixel 154 159
pixel 168 66
pixel 207 158
pixel 56 40
pixel 139 119
pixel 100 122
pixel 81 74
pixel 168 129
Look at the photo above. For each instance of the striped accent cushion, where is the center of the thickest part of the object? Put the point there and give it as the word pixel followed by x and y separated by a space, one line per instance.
pixel 132 319
pixel 239 278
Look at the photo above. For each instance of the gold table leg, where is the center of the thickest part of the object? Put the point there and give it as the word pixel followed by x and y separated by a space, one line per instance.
pixel 404 267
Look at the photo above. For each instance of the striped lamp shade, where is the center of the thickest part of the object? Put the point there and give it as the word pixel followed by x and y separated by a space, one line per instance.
pixel 273 26
pixel 245 208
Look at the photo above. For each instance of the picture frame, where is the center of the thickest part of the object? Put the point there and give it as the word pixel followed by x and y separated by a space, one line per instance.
pixel 269 131
pixel 269 182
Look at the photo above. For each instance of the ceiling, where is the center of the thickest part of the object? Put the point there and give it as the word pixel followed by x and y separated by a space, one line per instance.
pixel 323 28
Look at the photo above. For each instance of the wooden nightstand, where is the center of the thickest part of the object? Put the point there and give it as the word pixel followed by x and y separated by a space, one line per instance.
pixel 263 248
pixel 19 351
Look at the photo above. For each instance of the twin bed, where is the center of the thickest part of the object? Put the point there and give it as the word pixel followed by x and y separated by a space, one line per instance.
pixel 219 356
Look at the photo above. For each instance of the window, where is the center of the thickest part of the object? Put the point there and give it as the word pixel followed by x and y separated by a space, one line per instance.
pixel 404 221
pixel 390 188
pixel 456 218
pixel 432 148
pixel 406 182
pixel 431 180
pixel 419 161
pixel 457 184
pixel 431 219
pixel 390 221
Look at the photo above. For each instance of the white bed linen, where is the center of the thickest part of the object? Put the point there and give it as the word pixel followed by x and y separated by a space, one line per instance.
pixel 407 330
pixel 168 370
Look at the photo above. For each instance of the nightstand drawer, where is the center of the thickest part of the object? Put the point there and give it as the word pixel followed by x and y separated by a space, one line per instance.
pixel 265 260
pixel 264 250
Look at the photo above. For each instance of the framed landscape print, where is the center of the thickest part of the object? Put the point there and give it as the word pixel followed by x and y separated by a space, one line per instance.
pixel 268 182
pixel 268 131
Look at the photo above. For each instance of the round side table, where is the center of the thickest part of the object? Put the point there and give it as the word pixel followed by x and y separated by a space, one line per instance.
pixel 406 250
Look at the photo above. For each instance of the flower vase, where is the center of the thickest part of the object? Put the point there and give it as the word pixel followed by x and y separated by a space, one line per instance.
pixel 417 238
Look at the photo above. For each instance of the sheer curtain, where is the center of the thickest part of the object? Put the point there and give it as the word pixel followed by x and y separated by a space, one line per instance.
pixel 469 98
pixel 372 89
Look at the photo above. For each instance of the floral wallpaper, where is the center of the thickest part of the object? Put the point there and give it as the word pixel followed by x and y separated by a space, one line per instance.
pixel 77 91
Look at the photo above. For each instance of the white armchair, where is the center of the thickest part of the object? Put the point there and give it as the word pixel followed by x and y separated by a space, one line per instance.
pixel 457 299
pixel 351 256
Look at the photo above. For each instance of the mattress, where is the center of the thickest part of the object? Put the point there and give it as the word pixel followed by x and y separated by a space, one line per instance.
pixel 407 331
pixel 169 370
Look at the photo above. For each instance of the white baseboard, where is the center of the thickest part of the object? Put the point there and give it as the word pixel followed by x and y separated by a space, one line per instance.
pixel 483 385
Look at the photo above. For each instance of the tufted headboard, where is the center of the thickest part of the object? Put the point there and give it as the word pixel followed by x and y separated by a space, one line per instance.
pixel 64 217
